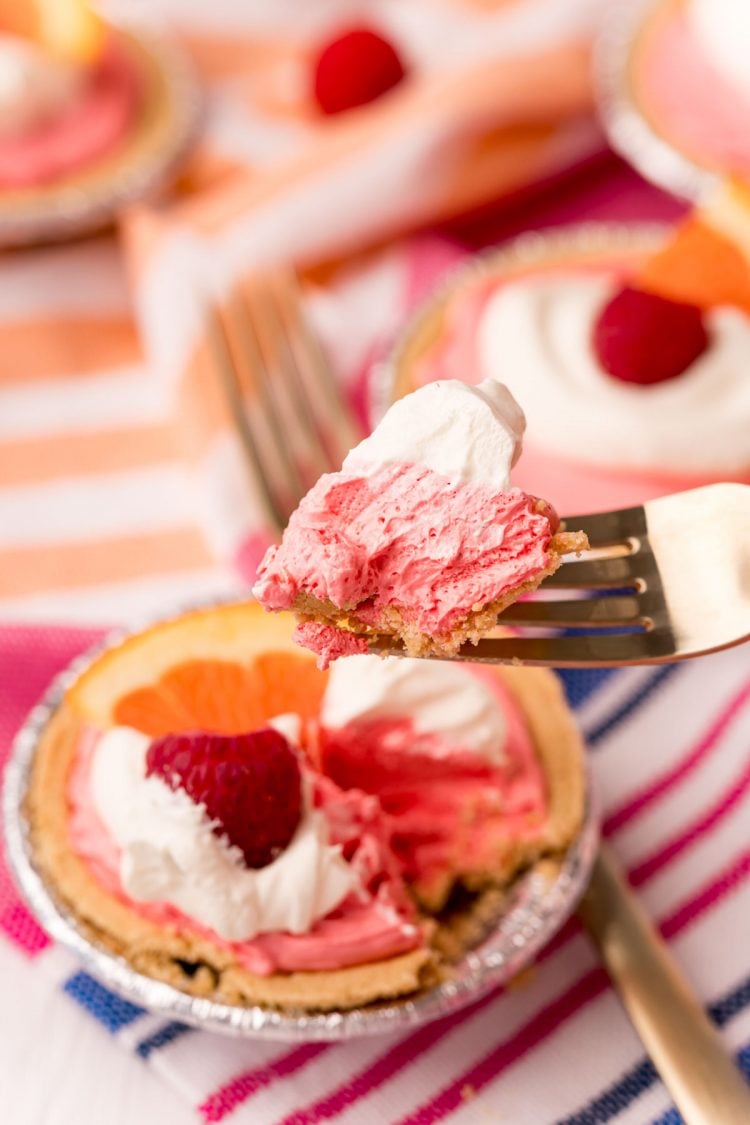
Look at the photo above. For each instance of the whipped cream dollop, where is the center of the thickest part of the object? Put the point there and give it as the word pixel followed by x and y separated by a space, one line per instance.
pixel 722 27
pixel 466 433
pixel 169 852
pixel 439 698
pixel 35 86
pixel 536 335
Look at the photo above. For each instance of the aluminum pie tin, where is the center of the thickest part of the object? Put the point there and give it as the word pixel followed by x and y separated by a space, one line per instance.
pixel 532 250
pixel 629 130
pixel 537 905
pixel 148 157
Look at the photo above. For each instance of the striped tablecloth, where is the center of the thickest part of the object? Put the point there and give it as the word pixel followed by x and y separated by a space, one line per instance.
pixel 122 493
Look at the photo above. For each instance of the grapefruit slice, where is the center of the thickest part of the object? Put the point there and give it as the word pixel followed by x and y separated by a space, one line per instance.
pixel 227 669
pixel 707 260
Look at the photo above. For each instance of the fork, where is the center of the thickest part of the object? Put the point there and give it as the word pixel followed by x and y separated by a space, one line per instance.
pixel 637 550
pixel 662 582
pixel 285 402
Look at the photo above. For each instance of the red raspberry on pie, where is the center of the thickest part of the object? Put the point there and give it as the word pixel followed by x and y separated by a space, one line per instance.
pixel 643 338
pixel 249 784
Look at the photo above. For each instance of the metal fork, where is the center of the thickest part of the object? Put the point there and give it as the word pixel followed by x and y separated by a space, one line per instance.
pixel 662 582
pixel 285 402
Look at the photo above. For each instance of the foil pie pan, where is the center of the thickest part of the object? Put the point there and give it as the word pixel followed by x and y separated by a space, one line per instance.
pixel 535 907
pixel 628 129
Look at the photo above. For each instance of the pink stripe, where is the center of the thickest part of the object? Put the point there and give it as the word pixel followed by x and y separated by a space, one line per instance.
pixel 30 657
pixel 705 899
pixel 409 1049
pixel 19 925
pixel 573 1000
pixel 665 781
pixel 693 832
pixel 226 1099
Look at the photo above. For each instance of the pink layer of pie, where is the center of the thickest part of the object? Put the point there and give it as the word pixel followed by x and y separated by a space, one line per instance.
pixel 688 100
pixel 452 810
pixel 405 536
pixel 577 486
pixel 88 130
pixel 354 933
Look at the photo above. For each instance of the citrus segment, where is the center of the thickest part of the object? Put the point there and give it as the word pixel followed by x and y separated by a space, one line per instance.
pixel 699 266
pixel 198 667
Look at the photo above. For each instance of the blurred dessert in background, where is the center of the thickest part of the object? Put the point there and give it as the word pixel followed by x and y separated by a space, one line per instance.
pixel 623 345
pixel 69 91
pixel 689 74
pixel 421 535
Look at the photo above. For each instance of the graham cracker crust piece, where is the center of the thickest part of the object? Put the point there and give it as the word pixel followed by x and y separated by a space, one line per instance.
pixel 200 967
pixel 476 624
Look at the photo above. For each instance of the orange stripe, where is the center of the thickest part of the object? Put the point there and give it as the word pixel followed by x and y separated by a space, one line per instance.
pixel 61 346
pixel 221 57
pixel 33 460
pixel 72 566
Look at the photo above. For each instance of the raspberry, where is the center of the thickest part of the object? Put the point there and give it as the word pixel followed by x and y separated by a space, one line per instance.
pixel 355 68
pixel 249 784
pixel 643 338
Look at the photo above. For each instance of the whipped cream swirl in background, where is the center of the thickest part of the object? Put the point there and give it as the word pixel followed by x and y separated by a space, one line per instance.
pixel 536 335
pixel 441 699
pixel 169 852
pixel 467 433
pixel 34 85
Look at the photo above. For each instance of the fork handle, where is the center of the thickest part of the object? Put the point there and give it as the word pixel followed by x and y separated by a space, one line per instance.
pixel 683 1043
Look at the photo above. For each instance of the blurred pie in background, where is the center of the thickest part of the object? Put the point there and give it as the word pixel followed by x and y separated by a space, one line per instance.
pixel 70 91
pixel 627 345
pixel 689 75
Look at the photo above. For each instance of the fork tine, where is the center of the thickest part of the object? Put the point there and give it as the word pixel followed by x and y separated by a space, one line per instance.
pixel 345 430
pixel 602 573
pixel 285 398
pixel 605 529
pixel 220 349
pixel 650 647
pixel 581 611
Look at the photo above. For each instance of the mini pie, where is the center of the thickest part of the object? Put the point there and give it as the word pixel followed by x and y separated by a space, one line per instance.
pixel 614 385
pixel 72 93
pixel 212 678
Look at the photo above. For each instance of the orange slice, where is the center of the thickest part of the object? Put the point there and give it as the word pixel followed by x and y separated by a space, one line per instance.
pixel 68 28
pixel 700 266
pixel 227 669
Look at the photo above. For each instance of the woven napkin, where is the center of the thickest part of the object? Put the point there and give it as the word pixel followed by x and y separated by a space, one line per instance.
pixel 669 752
pixel 121 492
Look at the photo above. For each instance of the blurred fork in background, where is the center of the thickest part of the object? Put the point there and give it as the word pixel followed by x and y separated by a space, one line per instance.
pixel 285 401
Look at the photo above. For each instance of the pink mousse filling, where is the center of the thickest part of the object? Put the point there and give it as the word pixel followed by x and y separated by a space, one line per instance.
pixel 86 131
pixel 689 101
pixel 374 925
pixel 405 536
pixel 452 811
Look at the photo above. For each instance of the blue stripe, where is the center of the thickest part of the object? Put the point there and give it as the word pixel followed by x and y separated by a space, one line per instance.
pixel 165 1034
pixel 580 683
pixel 110 1009
pixel 643 1075
pixel 652 684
